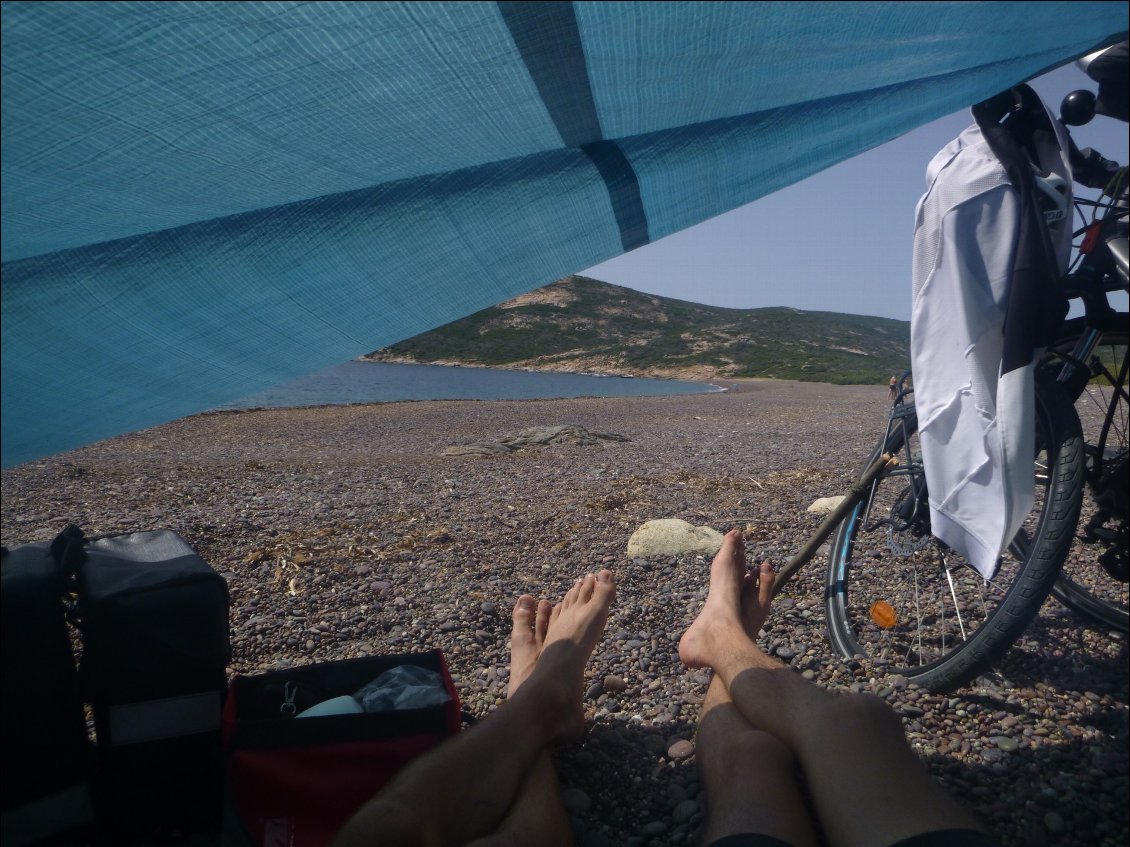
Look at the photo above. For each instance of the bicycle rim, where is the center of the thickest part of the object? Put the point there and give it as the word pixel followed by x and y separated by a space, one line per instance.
pixel 1084 585
pixel 902 600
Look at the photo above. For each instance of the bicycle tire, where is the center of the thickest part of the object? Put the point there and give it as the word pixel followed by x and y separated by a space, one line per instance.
pixel 1083 585
pixel 864 566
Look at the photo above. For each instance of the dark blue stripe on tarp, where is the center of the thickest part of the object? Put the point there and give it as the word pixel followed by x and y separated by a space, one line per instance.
pixel 546 35
pixel 549 42
pixel 623 190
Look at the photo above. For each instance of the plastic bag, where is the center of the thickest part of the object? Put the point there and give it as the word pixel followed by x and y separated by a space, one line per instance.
pixel 403 687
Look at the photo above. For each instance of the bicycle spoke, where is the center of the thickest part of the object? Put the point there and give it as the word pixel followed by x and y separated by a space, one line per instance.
pixel 918 616
pixel 953 594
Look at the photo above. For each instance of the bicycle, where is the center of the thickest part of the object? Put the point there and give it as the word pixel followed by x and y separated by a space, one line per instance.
pixel 899 597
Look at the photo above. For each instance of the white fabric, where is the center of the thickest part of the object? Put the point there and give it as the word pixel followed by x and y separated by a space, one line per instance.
pixel 976 426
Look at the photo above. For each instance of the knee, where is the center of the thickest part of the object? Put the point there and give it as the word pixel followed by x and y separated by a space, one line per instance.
pixel 384 820
pixel 750 747
pixel 761 746
pixel 861 714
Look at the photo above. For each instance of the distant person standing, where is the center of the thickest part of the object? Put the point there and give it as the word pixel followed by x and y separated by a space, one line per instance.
pixel 894 390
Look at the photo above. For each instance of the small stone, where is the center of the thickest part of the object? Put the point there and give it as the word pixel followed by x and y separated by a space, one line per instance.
pixel 576 801
pixel 1006 744
pixel 489 608
pixel 594 690
pixel 614 683
pixel 679 750
pixel 684 811
pixel 653 829
pixel 1055 824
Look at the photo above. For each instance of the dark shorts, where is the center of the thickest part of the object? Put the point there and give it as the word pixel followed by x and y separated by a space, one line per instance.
pixel 941 838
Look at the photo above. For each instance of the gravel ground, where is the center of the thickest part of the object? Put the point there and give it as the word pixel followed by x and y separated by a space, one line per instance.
pixel 344 531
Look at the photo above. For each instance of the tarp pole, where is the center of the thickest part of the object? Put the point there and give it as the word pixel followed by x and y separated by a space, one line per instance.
pixel 854 495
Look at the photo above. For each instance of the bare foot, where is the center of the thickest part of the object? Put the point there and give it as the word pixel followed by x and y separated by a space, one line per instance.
pixel 527 638
pixel 573 628
pixel 722 614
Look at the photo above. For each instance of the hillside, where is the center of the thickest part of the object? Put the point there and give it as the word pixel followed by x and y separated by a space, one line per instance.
pixel 582 324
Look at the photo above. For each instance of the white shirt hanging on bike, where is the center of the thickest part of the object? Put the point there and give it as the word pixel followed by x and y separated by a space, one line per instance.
pixel 976 418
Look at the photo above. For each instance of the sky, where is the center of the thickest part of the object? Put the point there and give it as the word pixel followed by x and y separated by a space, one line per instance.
pixel 839 241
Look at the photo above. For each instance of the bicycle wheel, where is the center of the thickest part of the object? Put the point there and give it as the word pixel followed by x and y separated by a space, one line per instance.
pixel 898 597
pixel 1093 580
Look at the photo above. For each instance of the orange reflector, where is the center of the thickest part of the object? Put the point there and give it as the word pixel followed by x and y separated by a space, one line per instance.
pixel 883 614
pixel 1091 239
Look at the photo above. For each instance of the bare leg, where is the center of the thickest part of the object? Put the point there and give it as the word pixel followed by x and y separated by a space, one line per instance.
pixel 749 775
pixel 537 816
pixel 867 784
pixel 545 709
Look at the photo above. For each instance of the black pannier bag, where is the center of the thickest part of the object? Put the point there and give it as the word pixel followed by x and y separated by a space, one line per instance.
pixel 46 755
pixel 154 621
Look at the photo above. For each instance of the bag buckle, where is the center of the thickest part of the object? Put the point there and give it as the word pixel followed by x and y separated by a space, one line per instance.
pixel 290 690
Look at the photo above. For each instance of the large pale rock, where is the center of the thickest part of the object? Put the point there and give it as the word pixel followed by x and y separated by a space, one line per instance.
pixel 478 449
pixel 673 537
pixel 534 436
pixel 825 505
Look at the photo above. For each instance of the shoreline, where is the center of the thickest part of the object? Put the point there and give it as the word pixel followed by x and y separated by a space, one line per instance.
pixel 692 374
pixel 343 531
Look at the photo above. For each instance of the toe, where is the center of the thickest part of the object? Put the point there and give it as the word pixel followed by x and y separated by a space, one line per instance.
pixel 587 586
pixel 524 611
pixel 765 583
pixel 541 622
pixel 604 588
pixel 733 547
pixel 523 630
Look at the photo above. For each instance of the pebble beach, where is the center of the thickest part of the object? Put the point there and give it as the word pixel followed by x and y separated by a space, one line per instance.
pixel 346 531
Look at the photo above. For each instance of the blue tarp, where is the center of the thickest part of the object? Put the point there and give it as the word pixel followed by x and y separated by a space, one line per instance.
pixel 202 199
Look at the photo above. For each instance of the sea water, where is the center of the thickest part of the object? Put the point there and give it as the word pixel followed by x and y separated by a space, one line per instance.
pixel 373 382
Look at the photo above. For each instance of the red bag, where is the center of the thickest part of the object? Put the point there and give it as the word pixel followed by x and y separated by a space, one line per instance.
pixel 296 781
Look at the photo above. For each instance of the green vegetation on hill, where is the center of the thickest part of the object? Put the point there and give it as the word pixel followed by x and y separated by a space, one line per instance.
pixel 584 324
